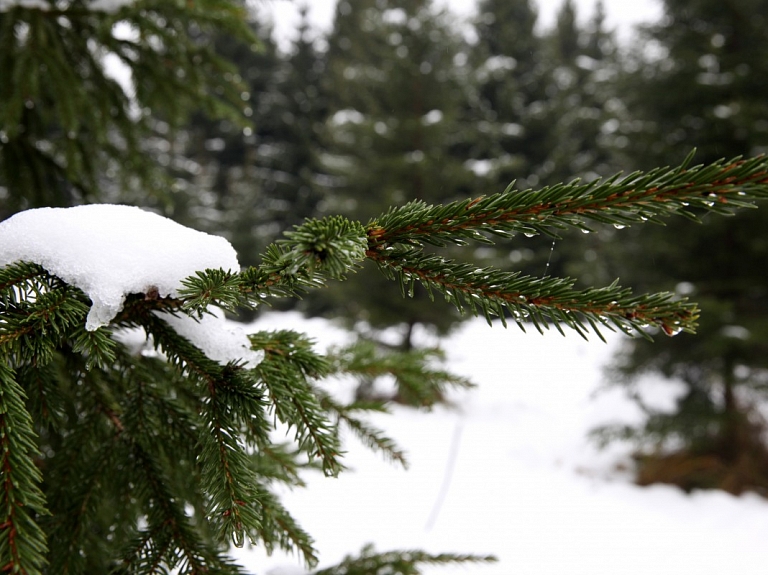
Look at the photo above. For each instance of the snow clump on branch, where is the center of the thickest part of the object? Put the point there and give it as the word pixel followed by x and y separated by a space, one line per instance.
pixel 110 251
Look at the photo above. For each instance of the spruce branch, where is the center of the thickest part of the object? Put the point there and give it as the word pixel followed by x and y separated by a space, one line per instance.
pixel 52 311
pixel 371 437
pixel 77 497
pixel 639 197
pixel 169 539
pixel 46 401
pixel 279 529
pixel 419 382
pixel 285 373
pixel 402 562
pixel 228 477
pixel 231 403
pixel 67 136
pixel 307 258
pixel 25 277
pixel 542 301
pixel 280 462
pixel 146 410
pixel 23 546
pixel 396 239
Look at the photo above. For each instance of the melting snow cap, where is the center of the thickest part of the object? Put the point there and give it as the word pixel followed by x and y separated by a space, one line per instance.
pixel 110 251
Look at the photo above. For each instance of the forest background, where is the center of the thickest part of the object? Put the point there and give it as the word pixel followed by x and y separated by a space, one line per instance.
pixel 396 102
pixel 402 100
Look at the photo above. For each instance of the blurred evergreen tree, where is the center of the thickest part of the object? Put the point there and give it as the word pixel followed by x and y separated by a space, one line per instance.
pixel 393 127
pixel 582 96
pixel 510 75
pixel 63 146
pixel 702 80
pixel 583 106
pixel 254 183
pixel 544 105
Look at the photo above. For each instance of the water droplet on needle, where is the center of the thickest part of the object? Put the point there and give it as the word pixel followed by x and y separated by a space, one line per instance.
pixel 671 331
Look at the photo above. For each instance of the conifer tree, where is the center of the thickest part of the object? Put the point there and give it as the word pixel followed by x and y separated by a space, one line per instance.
pixel 253 184
pixel 510 77
pixel 582 65
pixel 393 123
pixel 153 456
pixel 707 91
pixel 583 83
pixel 67 126
pixel 515 115
pixel 181 441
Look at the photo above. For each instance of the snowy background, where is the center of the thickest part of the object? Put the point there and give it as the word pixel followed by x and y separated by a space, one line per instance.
pixel 511 471
pixel 518 477
pixel 621 15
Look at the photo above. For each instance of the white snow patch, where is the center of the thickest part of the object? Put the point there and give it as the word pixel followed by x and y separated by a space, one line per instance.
pixel 526 484
pixel 432 117
pixel 95 5
pixel 110 251
pixel 221 340
pixel 109 5
pixel 394 16
pixel 347 116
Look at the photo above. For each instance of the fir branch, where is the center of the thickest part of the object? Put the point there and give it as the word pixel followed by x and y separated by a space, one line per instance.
pixel 294 349
pixel 160 404
pixel 542 301
pixel 52 313
pixel 280 462
pixel 23 544
pixel 92 457
pixel 47 403
pixel 279 529
pixel 77 500
pixel 419 383
pixel 212 287
pixel 401 562
pixel 307 258
pixel 18 279
pixel 179 350
pixel 174 72
pixel 96 346
pixel 288 364
pixel 169 539
pixel 639 197
pixel 329 247
pixel 231 399
pixel 228 478
pixel 371 437
pixel 275 277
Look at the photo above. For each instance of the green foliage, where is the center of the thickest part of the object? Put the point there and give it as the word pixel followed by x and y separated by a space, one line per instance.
pixel 65 121
pixel 155 458
pixel 394 130
pixel 704 92
pixel 181 445
pixel 251 184
pixel 395 562
pixel 418 383
pixel 23 545
pixel 155 436
pixel 398 237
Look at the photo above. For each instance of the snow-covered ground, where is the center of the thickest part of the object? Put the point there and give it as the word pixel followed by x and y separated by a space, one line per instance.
pixel 525 485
